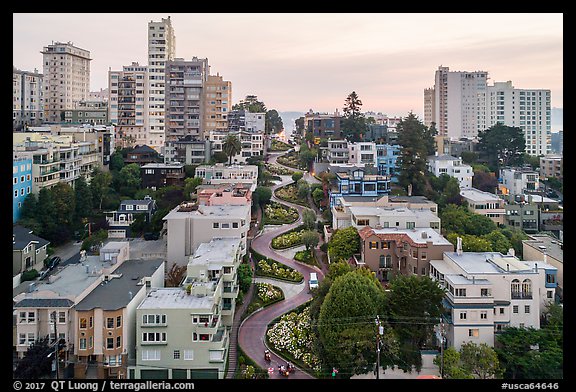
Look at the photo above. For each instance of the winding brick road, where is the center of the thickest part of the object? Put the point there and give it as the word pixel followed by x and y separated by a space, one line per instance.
pixel 253 330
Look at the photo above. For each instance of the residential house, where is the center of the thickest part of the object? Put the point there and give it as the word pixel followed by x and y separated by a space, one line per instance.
pixel 488 292
pixel 183 333
pixel 158 175
pixel 188 151
pixel 142 154
pixel 119 221
pixel 392 251
pixel 452 166
pixel 224 194
pixel 517 181
pixel 191 224
pixel 28 250
pixel 543 247
pixel 219 174
pixel 21 184
pixel 484 203
pixel 357 183
pixel 105 320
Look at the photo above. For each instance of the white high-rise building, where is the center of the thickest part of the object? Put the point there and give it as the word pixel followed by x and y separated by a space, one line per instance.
pixel 66 78
pixel 459 99
pixel 528 109
pixel 161 48
pixel 27 98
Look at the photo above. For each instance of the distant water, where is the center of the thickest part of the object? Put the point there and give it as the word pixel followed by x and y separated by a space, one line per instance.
pixel 288 119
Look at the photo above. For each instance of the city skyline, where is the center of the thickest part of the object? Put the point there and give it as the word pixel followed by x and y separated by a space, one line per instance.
pixel 302 61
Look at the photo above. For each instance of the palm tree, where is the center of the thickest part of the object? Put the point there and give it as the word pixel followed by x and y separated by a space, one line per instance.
pixel 231 146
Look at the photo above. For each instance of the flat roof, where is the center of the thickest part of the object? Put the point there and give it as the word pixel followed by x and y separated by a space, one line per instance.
pixel 488 262
pixel 209 212
pixel 391 211
pixel 416 235
pixel 218 250
pixel 175 298
pixel 552 246
pixel 478 195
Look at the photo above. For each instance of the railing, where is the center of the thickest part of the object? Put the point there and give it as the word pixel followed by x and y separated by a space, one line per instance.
pixel 521 295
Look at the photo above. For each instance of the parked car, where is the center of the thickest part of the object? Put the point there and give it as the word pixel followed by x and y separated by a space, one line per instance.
pixel 54 261
pixel 151 236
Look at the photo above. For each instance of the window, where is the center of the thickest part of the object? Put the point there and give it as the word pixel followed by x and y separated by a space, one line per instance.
pixel 462 315
pixel 110 322
pixel 176 354
pixel 225 225
pixel 82 343
pixel 550 278
pixel 90 342
pixel 460 292
pixel 22 339
pixel 363 222
pixel 91 322
pixel 150 355
pixel 473 333
pixel 154 337
pixel 515 309
pixel 118 321
pixel 483 315
pixel 526 308
pixel 215 225
pixel 61 317
pixel 373 245
pixel 153 319
pixel 109 343
pixel 118 341
pixel 384 245
pixel 550 294
pixel 188 355
pixel 485 292
pixel 501 310
pixel 83 323
pixel 234 225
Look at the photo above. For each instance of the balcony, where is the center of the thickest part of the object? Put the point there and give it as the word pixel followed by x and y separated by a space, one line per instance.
pixel 521 295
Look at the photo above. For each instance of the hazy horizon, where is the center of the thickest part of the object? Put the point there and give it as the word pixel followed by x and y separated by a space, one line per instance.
pixel 302 61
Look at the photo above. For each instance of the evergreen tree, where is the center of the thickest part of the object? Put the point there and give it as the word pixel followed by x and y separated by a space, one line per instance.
pixel 501 145
pixel 83 201
pixel 413 137
pixel 354 124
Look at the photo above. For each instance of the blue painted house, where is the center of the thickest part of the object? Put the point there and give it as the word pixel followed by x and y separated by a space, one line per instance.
pixel 357 183
pixel 386 156
pixel 21 184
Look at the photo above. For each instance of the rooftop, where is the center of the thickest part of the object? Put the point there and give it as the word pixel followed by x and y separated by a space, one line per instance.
pixel 548 244
pixel 118 292
pixel 209 212
pixel 490 263
pixel 22 237
pixel 418 235
pixel 478 195
pixel 218 250
pixel 175 298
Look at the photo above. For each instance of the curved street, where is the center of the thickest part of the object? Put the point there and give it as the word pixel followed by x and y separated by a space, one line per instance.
pixel 253 329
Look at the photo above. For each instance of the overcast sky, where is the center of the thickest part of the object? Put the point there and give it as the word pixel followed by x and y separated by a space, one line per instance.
pixel 300 61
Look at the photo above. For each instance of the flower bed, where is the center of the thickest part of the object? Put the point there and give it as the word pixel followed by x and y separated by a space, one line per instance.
pixel 305 256
pixel 274 269
pixel 288 240
pixel 279 214
pixel 265 294
pixel 279 170
pixel 278 145
pixel 292 335
pixel 289 193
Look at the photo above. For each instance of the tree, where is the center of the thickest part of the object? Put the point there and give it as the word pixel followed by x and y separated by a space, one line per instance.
pixel 477 224
pixel 344 243
pixel 190 170
pixel 470 243
pixel 498 241
pixel 450 365
pixel 190 185
pixel 309 219
pixel 130 176
pixel 297 176
pixel 354 123
pixel 469 157
pixel 46 214
pixel 36 362
pixel 501 145
pixel 231 146
pixel 273 122
pixel 310 239
pixel 251 104
pixel 346 321
pixel 100 185
pixel 175 275
pixel 429 139
pixel 244 277
pixel 412 162
pixel 303 189
pixel 262 195
pixel 116 161
pixel 83 200
pixel 418 299
pixel 219 157
pixel 480 360
pixel 318 195
pixel 484 181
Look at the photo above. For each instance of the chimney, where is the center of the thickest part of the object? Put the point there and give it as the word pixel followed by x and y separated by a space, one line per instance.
pixel 511 252
pixel 507 267
pixel 409 189
pixel 459 246
pixel 545 258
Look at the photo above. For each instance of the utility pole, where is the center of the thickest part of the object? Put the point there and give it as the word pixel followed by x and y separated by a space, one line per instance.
pixel 378 333
pixel 56 351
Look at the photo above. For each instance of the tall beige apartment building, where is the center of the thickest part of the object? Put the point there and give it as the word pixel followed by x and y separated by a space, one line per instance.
pixel 184 94
pixel 161 48
pixel 127 103
pixel 27 98
pixel 429 106
pixel 66 78
pixel 218 103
